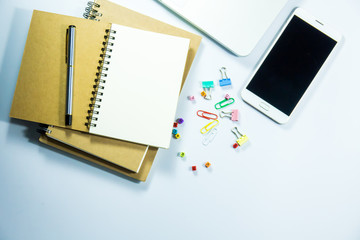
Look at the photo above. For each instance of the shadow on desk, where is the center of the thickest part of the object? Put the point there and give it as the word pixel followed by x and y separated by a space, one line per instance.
pixel 11 58
pixel 31 133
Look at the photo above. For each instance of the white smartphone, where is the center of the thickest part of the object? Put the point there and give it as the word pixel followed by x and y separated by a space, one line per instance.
pixel 290 65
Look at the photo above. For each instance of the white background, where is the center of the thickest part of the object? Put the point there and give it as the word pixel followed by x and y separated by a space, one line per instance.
pixel 295 181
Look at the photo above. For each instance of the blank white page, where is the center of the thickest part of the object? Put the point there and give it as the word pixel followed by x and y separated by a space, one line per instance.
pixel 142 86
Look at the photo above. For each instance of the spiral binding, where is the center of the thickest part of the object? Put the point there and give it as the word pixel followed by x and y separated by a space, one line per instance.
pixel 91 12
pixel 101 78
pixel 44 129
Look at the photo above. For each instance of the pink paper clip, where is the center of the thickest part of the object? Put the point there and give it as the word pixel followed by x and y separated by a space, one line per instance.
pixel 207 115
pixel 233 115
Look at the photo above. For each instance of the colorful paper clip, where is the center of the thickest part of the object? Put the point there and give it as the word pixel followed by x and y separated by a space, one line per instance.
pixel 207 85
pixel 209 137
pixel 207 115
pixel 241 138
pixel 209 126
pixel 224 103
pixel 224 81
pixel 233 115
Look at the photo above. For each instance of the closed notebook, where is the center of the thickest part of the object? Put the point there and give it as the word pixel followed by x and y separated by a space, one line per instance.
pixel 65 141
pixel 108 149
pixel 126 80
pixel 141 175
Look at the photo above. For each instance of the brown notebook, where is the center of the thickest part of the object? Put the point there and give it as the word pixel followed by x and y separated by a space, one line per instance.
pixel 115 72
pixel 112 12
pixel 141 175
pixel 124 154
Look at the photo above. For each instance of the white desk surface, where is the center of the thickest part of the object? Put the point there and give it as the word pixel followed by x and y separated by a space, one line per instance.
pixel 296 181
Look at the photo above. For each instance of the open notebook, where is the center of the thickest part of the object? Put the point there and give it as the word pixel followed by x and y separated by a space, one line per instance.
pixel 137 94
pixel 67 140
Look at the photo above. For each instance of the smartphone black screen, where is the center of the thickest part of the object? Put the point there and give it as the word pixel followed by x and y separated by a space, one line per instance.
pixel 291 65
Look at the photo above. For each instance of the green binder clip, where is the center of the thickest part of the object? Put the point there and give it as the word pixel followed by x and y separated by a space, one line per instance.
pixel 207 86
pixel 224 103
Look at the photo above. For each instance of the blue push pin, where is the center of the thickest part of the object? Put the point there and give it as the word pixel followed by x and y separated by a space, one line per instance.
pixel 224 81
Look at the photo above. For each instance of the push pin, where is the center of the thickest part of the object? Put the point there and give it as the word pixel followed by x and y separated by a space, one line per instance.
pixel 177 136
pixel 174 131
pixel 227 96
pixel 180 120
pixel 193 168
pixel 235 145
pixel 207 165
pixel 233 115
pixel 175 124
pixel 224 81
pixel 181 154
pixel 207 86
pixel 241 138
pixel 203 93
pixel 191 98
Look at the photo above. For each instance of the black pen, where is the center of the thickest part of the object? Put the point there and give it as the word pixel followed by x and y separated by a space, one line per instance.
pixel 70 73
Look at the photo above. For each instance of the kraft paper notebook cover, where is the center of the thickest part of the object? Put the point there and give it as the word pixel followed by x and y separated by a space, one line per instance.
pixel 122 75
pixel 112 12
pixel 109 149
pixel 141 175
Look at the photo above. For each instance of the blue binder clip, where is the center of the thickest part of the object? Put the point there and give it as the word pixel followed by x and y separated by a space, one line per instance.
pixel 224 81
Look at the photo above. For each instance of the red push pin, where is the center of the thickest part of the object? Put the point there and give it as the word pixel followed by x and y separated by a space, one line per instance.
pixel 175 124
pixel 235 145
pixel 193 168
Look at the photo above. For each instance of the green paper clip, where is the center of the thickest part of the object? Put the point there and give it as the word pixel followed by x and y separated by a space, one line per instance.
pixel 209 126
pixel 224 103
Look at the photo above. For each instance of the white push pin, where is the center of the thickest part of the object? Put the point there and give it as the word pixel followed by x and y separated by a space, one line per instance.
pixel 233 115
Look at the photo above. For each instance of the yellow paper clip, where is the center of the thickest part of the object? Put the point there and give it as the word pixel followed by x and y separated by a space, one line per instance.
pixel 209 126
pixel 241 138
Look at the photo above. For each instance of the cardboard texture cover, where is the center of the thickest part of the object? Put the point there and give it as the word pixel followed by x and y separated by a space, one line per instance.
pixel 141 175
pixel 112 150
pixel 112 12
pixel 40 94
